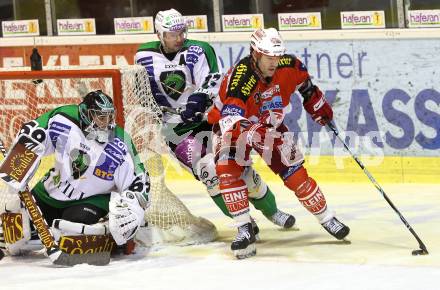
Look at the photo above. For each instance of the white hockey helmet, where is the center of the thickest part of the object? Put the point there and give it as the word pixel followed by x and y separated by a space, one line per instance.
pixel 268 42
pixel 169 21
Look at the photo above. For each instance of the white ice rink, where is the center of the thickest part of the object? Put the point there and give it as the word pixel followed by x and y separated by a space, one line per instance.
pixel 379 256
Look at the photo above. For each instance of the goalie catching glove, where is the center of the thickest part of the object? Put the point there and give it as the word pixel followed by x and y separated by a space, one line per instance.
pixel 126 215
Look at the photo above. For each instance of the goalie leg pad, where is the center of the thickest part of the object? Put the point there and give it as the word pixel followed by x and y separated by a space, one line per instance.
pixel 71 228
pixel 78 238
pixel 125 216
pixel 87 244
pixel 16 231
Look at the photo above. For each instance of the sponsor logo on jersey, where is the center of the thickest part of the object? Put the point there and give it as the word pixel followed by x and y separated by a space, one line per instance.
pixel 58 134
pixel 98 172
pixel 120 144
pixel 275 103
pixel 257 98
pixel 195 49
pixel 106 168
pixel 80 161
pixel 239 71
pixel 247 88
pixel 285 61
pixel 60 127
pixel 173 83
pixel 191 59
pixel 84 146
pixel 170 65
pixel 231 110
pixel 270 92
pixel 114 153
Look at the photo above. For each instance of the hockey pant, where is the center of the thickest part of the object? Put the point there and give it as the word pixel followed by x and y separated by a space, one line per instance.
pixel 283 157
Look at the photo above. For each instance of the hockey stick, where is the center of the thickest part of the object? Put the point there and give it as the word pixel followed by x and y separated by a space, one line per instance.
pixel 53 251
pixel 177 111
pixel 422 250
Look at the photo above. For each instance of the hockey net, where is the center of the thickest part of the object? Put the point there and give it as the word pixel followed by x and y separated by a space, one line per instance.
pixel 25 94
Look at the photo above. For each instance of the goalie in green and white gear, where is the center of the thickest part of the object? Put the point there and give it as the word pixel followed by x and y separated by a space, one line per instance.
pixel 96 170
pixel 184 76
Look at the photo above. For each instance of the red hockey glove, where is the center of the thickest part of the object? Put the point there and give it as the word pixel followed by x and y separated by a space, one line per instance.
pixel 262 137
pixel 318 108
pixel 272 118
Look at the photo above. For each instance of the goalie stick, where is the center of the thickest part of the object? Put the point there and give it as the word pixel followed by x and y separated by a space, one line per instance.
pixel 53 251
pixel 422 250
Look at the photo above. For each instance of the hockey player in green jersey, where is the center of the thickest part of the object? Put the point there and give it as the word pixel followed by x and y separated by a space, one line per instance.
pixel 184 78
pixel 96 170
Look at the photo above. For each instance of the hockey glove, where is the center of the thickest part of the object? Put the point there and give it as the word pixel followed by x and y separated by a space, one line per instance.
pixel 262 137
pixel 195 108
pixel 272 118
pixel 125 216
pixel 318 108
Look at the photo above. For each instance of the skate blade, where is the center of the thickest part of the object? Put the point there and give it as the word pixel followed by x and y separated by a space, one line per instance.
pixel 257 238
pixel 345 241
pixel 250 251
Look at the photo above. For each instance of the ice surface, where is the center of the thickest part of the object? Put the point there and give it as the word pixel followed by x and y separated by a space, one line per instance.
pixel 379 256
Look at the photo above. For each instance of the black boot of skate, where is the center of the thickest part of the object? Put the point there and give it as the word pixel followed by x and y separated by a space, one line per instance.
pixel 256 229
pixel 335 228
pixel 282 219
pixel 243 246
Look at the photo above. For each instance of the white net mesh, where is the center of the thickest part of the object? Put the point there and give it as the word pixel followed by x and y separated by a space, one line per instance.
pixel 23 98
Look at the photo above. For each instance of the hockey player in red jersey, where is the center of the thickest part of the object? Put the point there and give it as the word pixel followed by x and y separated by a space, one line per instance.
pixel 250 112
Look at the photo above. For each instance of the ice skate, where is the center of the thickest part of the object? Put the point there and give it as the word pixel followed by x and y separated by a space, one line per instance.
pixel 243 246
pixel 282 219
pixel 256 229
pixel 336 228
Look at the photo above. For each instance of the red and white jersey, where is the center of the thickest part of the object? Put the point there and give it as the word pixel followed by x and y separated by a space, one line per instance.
pixel 243 94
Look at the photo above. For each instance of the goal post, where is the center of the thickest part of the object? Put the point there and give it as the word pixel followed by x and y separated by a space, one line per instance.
pixel 26 94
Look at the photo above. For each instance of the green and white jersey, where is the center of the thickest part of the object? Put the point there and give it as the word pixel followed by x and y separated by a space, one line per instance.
pixel 84 167
pixel 172 81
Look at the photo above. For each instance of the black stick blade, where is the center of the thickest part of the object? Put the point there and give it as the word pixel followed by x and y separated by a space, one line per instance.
pixel 420 252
